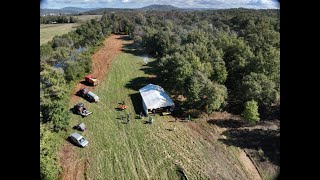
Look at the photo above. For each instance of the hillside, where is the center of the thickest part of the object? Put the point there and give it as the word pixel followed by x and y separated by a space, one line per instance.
pixel 154 7
pixel 157 7
pixel 65 10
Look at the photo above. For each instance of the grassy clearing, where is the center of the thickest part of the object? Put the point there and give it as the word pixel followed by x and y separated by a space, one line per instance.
pixel 48 31
pixel 87 17
pixel 136 150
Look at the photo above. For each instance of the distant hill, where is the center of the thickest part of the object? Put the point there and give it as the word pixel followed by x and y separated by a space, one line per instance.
pixel 100 11
pixel 65 10
pixel 77 9
pixel 157 7
pixel 154 7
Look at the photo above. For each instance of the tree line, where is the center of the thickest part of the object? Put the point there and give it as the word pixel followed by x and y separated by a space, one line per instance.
pixel 218 59
pixel 58 19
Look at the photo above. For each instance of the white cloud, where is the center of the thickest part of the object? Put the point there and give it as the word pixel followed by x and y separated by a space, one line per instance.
pixel 179 3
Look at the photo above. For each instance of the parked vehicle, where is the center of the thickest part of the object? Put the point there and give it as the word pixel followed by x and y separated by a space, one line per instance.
pixel 91 80
pixel 90 96
pixel 81 127
pixel 78 140
pixel 81 110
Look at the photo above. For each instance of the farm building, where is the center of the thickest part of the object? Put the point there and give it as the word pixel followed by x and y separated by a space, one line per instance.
pixel 155 98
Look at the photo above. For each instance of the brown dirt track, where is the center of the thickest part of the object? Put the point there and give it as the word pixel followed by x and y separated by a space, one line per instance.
pixel 101 61
pixel 74 168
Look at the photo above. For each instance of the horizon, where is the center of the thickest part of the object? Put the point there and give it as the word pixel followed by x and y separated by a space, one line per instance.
pixel 183 4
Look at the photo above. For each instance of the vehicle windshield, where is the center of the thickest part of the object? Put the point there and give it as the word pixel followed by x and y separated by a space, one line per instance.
pixel 81 140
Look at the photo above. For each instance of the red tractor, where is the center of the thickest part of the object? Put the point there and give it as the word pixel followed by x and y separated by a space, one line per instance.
pixel 91 80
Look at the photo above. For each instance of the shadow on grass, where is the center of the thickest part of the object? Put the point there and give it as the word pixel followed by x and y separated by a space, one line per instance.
pixel 86 83
pixel 137 83
pixel 267 140
pixel 133 49
pixel 230 123
pixel 126 38
pixel 150 68
pixel 136 102
pixel 68 139
pixel 140 82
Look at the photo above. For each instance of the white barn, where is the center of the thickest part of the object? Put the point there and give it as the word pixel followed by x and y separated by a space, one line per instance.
pixel 154 97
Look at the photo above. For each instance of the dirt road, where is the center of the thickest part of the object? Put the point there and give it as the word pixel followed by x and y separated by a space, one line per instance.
pixel 74 168
pixel 101 61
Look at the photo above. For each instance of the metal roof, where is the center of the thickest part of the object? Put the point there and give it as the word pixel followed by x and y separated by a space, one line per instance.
pixel 154 97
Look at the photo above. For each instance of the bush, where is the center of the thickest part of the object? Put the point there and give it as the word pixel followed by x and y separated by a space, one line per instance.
pixel 73 71
pixel 46 51
pixel 49 168
pixel 250 112
pixel 59 116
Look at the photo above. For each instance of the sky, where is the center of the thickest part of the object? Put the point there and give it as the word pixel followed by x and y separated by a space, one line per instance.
pixel 219 4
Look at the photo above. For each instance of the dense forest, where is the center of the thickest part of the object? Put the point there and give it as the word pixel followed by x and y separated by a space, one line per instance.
pixel 216 60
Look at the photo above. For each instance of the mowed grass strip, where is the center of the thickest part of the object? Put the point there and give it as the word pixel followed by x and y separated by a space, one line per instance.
pixel 48 31
pixel 137 150
pixel 118 150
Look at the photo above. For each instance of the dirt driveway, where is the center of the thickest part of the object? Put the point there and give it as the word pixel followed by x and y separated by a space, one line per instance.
pixel 74 168
pixel 101 61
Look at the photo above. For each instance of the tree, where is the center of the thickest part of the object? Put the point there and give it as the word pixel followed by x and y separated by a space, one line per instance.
pixel 73 19
pixel 250 112
pixel 259 88
pixel 46 51
pixel 59 116
pixel 219 70
pixel 49 168
pixel 203 93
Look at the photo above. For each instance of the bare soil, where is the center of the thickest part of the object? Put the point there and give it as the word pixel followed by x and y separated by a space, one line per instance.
pixel 260 143
pixel 101 61
pixel 73 167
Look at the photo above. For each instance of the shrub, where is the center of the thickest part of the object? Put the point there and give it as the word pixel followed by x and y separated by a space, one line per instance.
pixel 250 112
pixel 49 168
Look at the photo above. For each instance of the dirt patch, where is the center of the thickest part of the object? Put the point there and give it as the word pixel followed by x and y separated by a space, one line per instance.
pixel 72 166
pixel 249 166
pixel 101 61
pixel 261 142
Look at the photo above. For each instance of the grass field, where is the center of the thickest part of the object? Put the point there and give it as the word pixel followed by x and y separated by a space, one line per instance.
pixel 87 17
pixel 48 31
pixel 136 150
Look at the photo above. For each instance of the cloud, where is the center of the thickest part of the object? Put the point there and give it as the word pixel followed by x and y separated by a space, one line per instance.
pixel 261 4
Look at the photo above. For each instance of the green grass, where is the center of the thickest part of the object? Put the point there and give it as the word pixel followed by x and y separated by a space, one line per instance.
pixel 141 151
pixel 87 17
pixel 48 31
